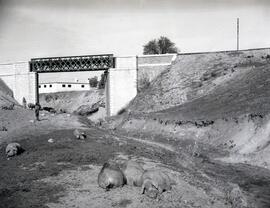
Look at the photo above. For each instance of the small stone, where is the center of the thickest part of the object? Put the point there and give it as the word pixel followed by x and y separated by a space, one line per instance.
pixel 51 140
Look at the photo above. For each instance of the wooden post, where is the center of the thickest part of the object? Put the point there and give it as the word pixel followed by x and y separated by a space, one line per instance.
pixel 107 93
pixel 37 87
pixel 237 33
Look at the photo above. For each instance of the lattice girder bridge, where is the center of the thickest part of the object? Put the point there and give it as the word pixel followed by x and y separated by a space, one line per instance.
pixel 72 63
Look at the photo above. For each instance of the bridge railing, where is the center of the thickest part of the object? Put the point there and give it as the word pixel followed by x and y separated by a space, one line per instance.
pixel 72 63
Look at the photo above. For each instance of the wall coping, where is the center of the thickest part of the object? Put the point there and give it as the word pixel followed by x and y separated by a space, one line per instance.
pixel 16 62
pixel 64 83
pixel 157 55
pixel 225 51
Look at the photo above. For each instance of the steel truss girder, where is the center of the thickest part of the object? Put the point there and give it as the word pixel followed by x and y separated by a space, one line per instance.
pixel 72 63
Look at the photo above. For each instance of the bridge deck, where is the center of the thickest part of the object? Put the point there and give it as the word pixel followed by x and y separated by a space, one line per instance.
pixel 72 63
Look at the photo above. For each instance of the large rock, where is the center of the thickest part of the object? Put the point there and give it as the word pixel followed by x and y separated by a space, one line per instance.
pixel 31 106
pixel 13 149
pixel 86 110
pixel 49 109
pixel 110 176
pixel 79 134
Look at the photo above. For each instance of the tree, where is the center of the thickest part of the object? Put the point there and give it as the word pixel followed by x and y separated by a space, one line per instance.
pixel 101 84
pixel 160 46
pixel 151 47
pixel 93 81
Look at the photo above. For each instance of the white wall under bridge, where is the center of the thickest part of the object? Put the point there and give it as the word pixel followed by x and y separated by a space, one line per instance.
pixel 121 84
pixel 19 80
pixel 53 87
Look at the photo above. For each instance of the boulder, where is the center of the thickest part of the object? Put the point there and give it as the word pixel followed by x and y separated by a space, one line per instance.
pixel 79 134
pixel 13 149
pixel 31 106
pixel 49 109
pixel 86 110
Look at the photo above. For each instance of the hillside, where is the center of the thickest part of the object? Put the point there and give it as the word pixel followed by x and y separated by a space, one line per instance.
pixel 219 99
pixel 208 78
pixel 70 102
pixel 6 95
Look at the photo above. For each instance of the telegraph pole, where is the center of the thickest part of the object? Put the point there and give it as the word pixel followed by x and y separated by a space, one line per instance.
pixel 237 33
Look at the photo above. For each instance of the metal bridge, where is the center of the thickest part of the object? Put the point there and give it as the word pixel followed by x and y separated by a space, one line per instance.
pixel 72 63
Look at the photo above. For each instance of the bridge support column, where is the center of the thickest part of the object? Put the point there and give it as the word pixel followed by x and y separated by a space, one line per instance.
pixel 37 87
pixel 121 85
pixel 107 93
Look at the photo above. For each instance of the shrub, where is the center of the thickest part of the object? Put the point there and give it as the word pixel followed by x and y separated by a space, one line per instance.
pixel 102 82
pixel 8 107
pixel 93 82
pixel 3 128
pixel 144 83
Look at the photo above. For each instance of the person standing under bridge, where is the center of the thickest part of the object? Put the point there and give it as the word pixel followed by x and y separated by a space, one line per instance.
pixel 37 109
pixel 24 103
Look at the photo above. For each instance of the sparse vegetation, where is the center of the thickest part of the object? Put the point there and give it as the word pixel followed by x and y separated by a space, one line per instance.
pixel 8 106
pixel 102 81
pixel 3 128
pixel 93 82
pixel 143 83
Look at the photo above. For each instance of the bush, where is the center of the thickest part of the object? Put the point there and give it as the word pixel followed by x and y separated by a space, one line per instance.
pixel 51 97
pixel 101 84
pixel 144 83
pixel 8 107
pixel 3 128
pixel 93 82
pixel 31 106
pixel 48 98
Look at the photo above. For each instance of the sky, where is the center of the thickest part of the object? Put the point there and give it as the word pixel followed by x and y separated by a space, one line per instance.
pixel 44 28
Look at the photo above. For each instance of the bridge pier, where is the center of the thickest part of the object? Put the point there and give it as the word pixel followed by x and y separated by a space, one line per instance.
pixel 37 87
pixel 121 85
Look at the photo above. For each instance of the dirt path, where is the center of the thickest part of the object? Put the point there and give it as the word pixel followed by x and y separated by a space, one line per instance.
pixel 147 142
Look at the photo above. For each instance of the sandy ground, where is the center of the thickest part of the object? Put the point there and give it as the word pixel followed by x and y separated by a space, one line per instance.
pixel 82 191
pixel 64 173
pixel 19 121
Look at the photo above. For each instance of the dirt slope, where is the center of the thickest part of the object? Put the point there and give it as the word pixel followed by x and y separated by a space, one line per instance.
pixel 71 101
pixel 194 76
pixel 218 99
pixel 6 95
pixel 74 102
